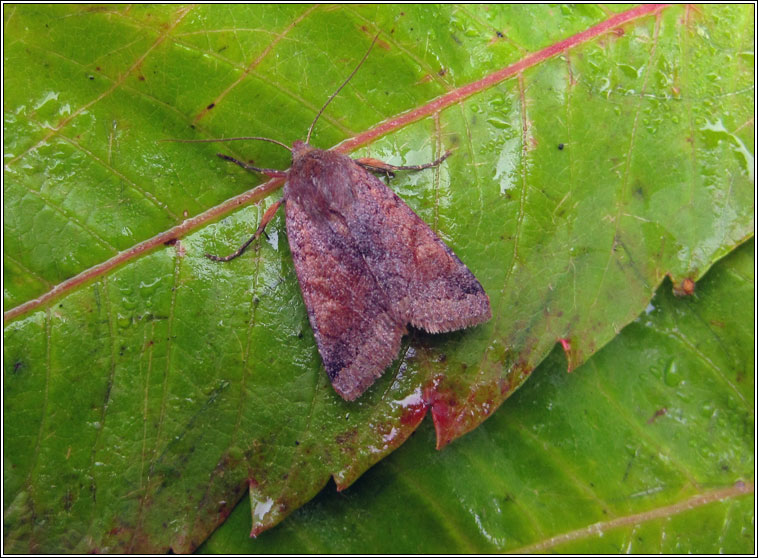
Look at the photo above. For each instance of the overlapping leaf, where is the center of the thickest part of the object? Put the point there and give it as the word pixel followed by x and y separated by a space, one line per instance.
pixel 141 405
pixel 648 448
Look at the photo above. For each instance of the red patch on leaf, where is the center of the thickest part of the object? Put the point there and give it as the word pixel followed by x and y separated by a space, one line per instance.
pixel 413 414
pixel 458 408
pixel 443 402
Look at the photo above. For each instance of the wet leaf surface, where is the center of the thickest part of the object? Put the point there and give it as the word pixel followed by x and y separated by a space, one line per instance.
pixel 143 402
pixel 647 448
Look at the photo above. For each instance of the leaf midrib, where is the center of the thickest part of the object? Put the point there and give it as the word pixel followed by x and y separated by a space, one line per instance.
pixel 601 527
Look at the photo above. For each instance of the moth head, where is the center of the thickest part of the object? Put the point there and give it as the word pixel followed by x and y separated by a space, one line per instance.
pixel 300 148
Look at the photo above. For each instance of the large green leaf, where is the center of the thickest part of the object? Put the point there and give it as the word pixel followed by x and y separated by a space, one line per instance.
pixel 647 448
pixel 142 400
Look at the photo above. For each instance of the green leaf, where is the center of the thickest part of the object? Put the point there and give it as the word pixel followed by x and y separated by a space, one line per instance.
pixel 151 387
pixel 646 449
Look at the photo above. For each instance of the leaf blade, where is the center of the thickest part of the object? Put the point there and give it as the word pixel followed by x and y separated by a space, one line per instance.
pixel 168 332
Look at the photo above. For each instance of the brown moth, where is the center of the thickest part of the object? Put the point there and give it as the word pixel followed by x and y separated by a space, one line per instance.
pixel 367 265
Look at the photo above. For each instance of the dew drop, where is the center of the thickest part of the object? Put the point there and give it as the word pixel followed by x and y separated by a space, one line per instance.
pixel 123 321
pixel 671 376
pixel 497 123
pixel 149 287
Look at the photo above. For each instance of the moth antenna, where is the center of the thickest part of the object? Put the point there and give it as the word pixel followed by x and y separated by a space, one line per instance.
pixel 284 145
pixel 310 130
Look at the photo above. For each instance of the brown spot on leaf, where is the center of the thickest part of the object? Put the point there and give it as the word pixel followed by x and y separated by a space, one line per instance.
pixel 659 413
pixel 68 500
pixel 685 288
pixel 505 386
pixel 566 344
pixel 346 437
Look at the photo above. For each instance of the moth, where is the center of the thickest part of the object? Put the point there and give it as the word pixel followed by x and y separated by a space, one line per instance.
pixel 367 265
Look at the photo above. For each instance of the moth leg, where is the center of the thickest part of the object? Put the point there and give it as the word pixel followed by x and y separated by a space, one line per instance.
pixel 251 168
pixel 270 212
pixel 375 165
